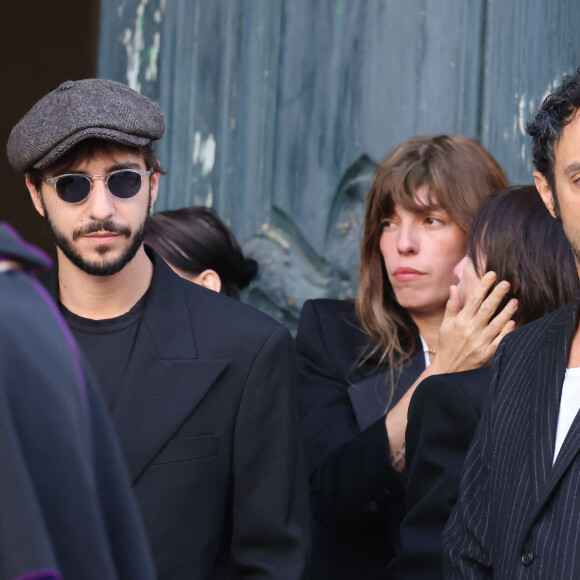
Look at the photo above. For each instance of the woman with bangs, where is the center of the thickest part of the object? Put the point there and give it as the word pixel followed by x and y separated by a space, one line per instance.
pixel 514 235
pixel 360 361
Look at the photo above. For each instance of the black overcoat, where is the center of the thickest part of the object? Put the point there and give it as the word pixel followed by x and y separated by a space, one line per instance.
pixel 66 507
pixel 443 415
pixel 517 515
pixel 357 496
pixel 207 420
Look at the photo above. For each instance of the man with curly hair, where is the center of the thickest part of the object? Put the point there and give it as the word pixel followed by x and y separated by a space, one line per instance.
pixel 519 507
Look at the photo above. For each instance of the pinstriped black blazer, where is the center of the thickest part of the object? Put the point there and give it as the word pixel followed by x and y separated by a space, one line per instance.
pixel 517 516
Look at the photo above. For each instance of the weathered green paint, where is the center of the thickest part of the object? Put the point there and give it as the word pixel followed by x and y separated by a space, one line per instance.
pixel 273 105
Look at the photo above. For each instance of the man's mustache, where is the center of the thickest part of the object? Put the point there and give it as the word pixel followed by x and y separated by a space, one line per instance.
pixel 108 226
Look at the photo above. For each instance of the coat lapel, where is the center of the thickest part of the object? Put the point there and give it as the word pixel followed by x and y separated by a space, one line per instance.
pixel 370 397
pixel 543 419
pixel 164 380
pixel 549 377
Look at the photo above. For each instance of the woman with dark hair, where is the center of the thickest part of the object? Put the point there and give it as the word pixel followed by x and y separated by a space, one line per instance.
pixel 514 235
pixel 359 362
pixel 200 247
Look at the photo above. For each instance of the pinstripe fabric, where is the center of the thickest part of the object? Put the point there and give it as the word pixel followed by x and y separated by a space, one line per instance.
pixel 517 516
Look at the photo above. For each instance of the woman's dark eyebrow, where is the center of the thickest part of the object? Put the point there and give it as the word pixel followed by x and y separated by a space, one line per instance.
pixel 427 208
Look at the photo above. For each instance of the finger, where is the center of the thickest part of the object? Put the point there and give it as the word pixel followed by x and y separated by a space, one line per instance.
pixel 508 327
pixel 479 293
pixel 497 326
pixel 453 305
pixel 492 302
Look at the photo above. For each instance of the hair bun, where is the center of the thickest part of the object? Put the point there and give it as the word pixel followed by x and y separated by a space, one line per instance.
pixel 249 273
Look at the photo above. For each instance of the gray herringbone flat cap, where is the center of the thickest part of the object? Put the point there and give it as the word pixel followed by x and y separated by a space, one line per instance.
pixel 78 110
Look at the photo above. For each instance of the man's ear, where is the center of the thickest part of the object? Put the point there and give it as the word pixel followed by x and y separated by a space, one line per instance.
pixel 545 192
pixel 154 186
pixel 35 195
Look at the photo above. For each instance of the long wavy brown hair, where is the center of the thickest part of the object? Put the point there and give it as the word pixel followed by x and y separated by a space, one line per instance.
pixel 460 174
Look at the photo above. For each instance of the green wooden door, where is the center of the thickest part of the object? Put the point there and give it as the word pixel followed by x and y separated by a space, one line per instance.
pixel 277 110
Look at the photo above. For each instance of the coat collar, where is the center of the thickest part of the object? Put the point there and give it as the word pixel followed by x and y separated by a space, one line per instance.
pixel 551 361
pixel 165 378
pixel 371 396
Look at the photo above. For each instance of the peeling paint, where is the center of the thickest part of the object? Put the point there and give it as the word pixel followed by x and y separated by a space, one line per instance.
pixel 209 196
pixel 158 16
pixel 204 152
pixel 522 114
pixel 151 70
pixel 526 110
pixel 550 88
pixel 134 44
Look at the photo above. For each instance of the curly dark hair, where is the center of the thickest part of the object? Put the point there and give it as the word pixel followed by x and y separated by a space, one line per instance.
pixel 545 128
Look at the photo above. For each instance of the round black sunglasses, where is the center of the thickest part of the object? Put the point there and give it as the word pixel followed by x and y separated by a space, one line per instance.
pixel 76 187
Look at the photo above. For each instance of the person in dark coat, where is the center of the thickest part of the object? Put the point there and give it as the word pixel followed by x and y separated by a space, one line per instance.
pixel 518 508
pixel 199 386
pixel 359 362
pixel 514 235
pixel 66 507
pixel 200 247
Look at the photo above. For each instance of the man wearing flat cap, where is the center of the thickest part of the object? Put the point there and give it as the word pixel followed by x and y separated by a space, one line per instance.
pixel 199 387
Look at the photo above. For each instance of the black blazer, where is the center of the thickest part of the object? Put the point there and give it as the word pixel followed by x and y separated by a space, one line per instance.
pixel 443 416
pixel 356 494
pixel 207 419
pixel 66 507
pixel 517 515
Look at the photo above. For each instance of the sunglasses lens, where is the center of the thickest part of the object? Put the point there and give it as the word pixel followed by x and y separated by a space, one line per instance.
pixel 125 183
pixel 73 188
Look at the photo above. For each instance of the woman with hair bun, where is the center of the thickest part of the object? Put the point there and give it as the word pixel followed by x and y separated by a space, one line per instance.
pixel 199 247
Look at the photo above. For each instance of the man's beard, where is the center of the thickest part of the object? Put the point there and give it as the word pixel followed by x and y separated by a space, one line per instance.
pixel 95 268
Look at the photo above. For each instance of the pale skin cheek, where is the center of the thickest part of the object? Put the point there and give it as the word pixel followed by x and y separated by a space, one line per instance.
pixel 450 253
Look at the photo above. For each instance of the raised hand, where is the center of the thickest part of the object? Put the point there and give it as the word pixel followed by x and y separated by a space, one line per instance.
pixel 469 336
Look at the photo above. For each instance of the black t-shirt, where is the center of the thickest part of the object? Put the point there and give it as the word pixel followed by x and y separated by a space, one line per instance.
pixel 107 344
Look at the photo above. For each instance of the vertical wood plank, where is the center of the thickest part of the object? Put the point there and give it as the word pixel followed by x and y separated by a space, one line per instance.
pixel 277 109
pixel 529 45
pixel 360 77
